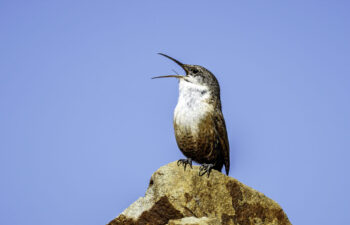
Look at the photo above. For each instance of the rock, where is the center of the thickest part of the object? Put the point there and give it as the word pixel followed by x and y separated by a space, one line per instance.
pixel 175 196
pixel 195 221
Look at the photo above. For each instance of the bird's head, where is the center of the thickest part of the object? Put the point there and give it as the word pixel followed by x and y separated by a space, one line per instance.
pixel 194 74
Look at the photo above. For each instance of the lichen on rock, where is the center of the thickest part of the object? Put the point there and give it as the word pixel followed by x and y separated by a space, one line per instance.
pixel 175 196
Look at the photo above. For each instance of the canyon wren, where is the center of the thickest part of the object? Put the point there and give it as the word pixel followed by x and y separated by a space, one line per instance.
pixel 199 124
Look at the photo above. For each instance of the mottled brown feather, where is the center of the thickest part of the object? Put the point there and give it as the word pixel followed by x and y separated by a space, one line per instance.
pixel 220 127
pixel 208 144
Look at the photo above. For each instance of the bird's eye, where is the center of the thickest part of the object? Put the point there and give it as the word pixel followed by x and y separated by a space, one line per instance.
pixel 195 71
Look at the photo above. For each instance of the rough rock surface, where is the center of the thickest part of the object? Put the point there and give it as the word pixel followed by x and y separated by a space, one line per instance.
pixel 195 221
pixel 175 197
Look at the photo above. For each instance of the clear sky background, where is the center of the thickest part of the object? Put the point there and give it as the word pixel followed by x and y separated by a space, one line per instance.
pixel 83 127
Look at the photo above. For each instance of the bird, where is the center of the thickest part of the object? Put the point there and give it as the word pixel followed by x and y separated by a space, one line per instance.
pixel 199 124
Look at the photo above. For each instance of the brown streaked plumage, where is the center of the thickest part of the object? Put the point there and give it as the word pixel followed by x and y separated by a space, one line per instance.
pixel 199 124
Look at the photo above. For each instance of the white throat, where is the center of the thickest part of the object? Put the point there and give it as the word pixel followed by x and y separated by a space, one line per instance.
pixel 192 105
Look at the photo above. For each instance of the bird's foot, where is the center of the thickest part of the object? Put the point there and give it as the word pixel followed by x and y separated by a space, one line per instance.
pixel 205 169
pixel 185 162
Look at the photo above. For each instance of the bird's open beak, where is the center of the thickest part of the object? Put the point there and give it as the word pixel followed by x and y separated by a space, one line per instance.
pixel 177 62
pixel 176 76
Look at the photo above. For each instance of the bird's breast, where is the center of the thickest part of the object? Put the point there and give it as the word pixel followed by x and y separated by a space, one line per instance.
pixel 193 105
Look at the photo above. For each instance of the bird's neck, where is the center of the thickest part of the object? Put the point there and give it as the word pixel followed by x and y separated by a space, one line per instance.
pixel 192 94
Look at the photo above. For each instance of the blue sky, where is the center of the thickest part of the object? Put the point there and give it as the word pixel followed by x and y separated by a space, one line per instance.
pixel 83 126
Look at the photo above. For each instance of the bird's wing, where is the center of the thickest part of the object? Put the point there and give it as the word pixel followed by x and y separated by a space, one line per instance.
pixel 220 128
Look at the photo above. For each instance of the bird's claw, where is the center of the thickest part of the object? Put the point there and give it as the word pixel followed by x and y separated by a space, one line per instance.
pixel 185 162
pixel 205 169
